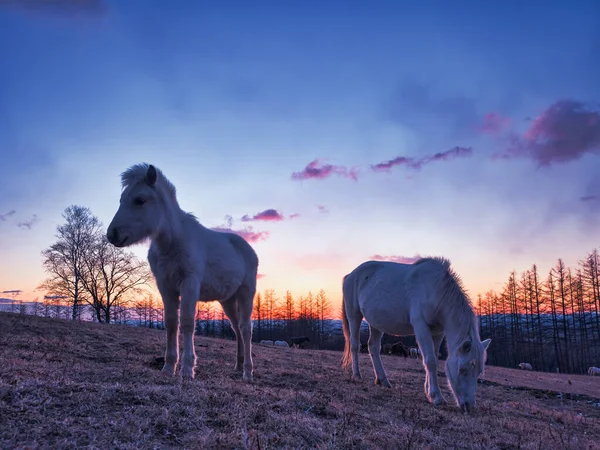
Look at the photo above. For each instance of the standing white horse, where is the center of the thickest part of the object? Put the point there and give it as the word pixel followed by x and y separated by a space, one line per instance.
pixel 425 299
pixel 188 261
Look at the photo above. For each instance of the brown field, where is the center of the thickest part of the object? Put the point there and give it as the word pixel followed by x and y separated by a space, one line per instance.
pixel 67 385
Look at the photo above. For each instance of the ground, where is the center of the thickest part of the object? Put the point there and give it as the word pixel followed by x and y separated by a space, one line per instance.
pixel 70 384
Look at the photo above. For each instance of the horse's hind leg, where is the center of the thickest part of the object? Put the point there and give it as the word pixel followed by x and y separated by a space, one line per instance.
pixel 245 299
pixel 230 307
pixel 375 352
pixel 354 322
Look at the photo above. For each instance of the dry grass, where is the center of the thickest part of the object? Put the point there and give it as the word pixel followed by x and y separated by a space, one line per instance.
pixel 67 385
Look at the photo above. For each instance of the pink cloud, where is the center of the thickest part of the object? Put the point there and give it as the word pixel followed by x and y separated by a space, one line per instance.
pixel 260 275
pixel 294 216
pixel 418 163
pixel 317 170
pixel 248 233
pixel 269 215
pixel 397 258
pixel 564 132
pixel 323 209
pixel 494 123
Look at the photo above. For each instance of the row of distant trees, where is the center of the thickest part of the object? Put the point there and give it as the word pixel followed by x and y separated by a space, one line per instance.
pixel 551 321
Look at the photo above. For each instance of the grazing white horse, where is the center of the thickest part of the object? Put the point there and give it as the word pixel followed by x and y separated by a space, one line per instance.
pixel 525 366
pixel 425 299
pixel 594 371
pixel 188 261
pixel 281 344
pixel 266 342
pixel 414 352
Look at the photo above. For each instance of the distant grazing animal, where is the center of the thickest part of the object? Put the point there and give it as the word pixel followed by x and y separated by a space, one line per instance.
pixel 525 366
pixel 398 349
pixel 594 371
pixel 299 341
pixel 281 344
pixel 426 299
pixel 266 342
pixel 188 261
pixel 414 352
pixel 387 349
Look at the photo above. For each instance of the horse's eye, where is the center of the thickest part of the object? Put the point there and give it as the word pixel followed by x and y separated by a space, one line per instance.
pixel 139 201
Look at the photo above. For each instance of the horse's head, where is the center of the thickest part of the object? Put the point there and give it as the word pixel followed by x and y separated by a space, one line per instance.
pixel 140 209
pixel 463 366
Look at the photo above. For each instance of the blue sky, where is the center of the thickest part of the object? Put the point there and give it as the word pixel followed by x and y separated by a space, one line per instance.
pixel 230 99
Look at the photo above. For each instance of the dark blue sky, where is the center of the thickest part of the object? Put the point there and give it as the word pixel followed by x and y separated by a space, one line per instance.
pixel 230 99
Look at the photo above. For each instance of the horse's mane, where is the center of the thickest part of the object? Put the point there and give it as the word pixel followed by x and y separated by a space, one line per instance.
pixel 137 174
pixel 456 300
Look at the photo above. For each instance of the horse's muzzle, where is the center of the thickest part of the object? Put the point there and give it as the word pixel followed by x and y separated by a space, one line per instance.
pixel 115 238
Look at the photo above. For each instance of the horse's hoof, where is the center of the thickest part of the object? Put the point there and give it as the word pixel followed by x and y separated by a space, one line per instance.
pixel 437 400
pixel 248 377
pixel 356 378
pixel 187 373
pixel 385 382
pixel 169 369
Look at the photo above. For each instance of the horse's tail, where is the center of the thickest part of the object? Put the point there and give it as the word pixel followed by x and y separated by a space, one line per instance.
pixel 347 358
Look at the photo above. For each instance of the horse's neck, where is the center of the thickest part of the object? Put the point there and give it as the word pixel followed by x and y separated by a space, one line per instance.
pixel 171 230
pixel 457 327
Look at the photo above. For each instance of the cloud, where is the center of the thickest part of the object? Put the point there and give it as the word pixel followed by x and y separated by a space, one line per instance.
pixel 397 258
pixel 564 132
pixel 294 216
pixel 12 291
pixel 317 170
pixel 69 8
pixel 269 215
pixel 260 275
pixel 418 163
pixel 3 217
pixel 589 198
pixel 247 233
pixel 494 123
pixel 323 209
pixel 28 224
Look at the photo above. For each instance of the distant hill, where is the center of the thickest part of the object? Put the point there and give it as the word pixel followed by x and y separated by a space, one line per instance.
pixel 78 384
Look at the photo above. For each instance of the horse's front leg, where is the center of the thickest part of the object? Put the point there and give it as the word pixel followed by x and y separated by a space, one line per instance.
pixel 170 300
pixel 429 355
pixel 190 292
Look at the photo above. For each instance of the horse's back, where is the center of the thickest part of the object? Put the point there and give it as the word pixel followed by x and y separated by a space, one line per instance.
pixel 389 294
pixel 230 263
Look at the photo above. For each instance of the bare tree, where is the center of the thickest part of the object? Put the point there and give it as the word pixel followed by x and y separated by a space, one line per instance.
pixel 64 260
pixel 110 276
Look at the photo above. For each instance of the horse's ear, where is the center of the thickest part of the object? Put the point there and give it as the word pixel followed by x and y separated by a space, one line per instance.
pixel 486 343
pixel 466 347
pixel 151 175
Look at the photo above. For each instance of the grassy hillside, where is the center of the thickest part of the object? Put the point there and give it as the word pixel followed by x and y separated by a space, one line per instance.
pixel 66 385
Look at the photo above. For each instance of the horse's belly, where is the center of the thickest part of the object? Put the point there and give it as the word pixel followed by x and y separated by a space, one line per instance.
pixel 389 317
